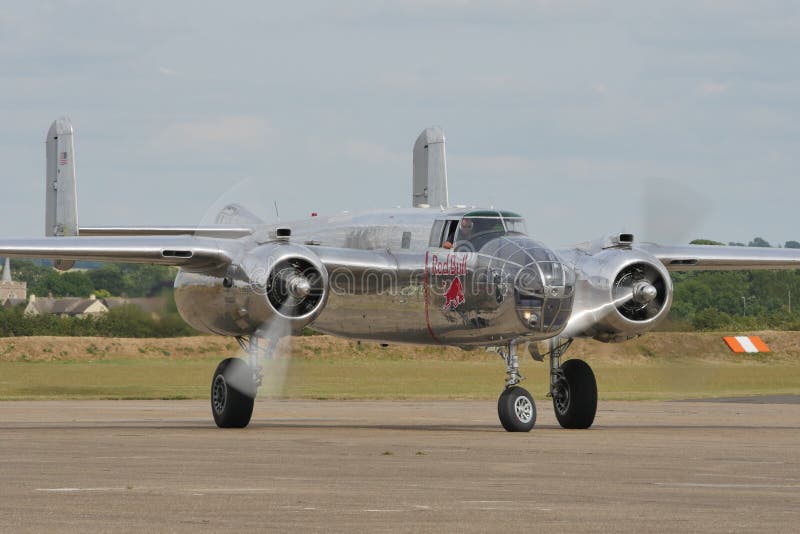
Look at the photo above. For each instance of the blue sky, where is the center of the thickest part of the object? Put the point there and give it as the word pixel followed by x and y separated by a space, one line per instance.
pixel 669 120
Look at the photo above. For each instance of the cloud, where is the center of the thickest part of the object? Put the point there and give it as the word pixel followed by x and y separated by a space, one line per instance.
pixel 166 71
pixel 246 132
pixel 498 165
pixel 372 153
pixel 713 88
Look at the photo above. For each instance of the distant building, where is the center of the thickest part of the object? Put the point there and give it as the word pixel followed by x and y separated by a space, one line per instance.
pixel 10 290
pixel 67 306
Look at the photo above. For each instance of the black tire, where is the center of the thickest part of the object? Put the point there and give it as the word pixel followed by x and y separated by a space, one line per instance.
pixel 233 393
pixel 575 395
pixel 516 410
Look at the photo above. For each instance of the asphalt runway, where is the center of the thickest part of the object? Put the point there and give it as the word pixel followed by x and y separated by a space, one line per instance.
pixel 391 466
pixel 757 399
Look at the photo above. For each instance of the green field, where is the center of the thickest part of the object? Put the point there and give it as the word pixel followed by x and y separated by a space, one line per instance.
pixel 376 377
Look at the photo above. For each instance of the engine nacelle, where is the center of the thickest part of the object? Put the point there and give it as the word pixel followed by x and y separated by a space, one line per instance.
pixel 276 289
pixel 620 293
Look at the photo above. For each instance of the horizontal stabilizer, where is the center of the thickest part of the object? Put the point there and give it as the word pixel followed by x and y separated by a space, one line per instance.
pixel 223 232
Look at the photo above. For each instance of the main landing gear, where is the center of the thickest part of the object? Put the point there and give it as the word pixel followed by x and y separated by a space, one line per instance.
pixel 572 387
pixel 235 384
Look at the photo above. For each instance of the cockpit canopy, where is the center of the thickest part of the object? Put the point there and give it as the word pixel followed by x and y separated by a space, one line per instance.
pixel 472 230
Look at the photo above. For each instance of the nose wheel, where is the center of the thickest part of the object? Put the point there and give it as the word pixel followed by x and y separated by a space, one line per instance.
pixel 516 410
pixel 515 407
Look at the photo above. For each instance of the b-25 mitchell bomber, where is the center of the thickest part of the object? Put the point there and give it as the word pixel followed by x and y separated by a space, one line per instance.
pixel 430 274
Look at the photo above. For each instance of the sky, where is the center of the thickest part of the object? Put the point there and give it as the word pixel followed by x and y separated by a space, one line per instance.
pixel 670 120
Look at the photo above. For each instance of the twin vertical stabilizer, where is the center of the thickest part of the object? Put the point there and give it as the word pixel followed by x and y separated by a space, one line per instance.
pixel 61 201
pixel 430 170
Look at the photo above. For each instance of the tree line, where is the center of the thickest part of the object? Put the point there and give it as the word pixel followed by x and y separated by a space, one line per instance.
pixel 736 300
pixel 124 321
pixel 111 279
pixel 114 279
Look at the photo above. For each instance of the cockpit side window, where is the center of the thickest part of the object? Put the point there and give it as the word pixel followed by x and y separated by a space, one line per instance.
pixel 443 233
pixel 450 234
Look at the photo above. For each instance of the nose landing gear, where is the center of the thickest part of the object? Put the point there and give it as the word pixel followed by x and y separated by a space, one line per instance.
pixel 515 407
pixel 516 410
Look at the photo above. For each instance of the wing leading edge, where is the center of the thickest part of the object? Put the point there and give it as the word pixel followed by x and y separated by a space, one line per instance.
pixel 189 253
pixel 721 258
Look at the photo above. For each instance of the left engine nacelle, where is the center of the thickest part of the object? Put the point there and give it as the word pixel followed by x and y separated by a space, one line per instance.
pixel 621 293
pixel 275 290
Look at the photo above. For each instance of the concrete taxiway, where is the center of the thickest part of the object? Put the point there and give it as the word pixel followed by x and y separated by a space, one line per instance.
pixel 305 466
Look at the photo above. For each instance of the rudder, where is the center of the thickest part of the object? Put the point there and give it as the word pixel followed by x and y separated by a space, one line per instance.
pixel 61 200
pixel 429 182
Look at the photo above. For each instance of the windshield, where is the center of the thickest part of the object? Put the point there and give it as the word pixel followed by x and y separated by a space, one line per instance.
pixel 474 232
pixel 516 226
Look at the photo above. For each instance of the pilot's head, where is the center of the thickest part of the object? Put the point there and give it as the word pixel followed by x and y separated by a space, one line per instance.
pixel 466 226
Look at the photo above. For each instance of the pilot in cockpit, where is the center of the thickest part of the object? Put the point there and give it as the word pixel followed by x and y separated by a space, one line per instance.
pixel 465 227
pixel 472 233
pixel 475 232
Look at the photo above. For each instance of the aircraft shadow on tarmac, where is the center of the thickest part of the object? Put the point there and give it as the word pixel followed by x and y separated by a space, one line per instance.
pixel 331 427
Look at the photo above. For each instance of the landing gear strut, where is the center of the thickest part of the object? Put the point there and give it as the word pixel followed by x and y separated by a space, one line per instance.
pixel 573 388
pixel 515 407
pixel 234 386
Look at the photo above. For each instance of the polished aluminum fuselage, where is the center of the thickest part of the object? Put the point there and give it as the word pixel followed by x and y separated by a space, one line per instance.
pixel 386 283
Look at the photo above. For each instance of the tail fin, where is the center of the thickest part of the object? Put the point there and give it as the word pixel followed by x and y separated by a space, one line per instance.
pixel 61 200
pixel 430 169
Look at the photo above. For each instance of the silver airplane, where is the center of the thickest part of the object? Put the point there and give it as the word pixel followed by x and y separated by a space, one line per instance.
pixel 430 274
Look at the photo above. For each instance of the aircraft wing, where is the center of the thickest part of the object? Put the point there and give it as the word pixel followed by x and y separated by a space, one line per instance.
pixel 190 253
pixel 722 258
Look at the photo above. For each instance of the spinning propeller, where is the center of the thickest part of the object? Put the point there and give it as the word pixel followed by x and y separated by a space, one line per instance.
pixel 640 292
pixel 292 288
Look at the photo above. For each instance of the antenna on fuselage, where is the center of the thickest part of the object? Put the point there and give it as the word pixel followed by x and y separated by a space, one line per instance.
pixel 429 183
pixel 277 215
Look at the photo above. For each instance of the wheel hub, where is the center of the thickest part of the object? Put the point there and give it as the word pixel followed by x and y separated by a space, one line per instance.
pixel 523 408
pixel 219 394
pixel 561 396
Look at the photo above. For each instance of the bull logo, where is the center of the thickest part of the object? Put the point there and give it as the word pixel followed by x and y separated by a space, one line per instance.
pixel 453 295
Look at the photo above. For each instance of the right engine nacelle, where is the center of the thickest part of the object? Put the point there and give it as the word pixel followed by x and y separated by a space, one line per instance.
pixel 277 289
pixel 620 294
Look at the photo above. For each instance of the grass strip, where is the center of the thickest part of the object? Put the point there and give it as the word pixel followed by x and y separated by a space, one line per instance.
pixel 376 378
